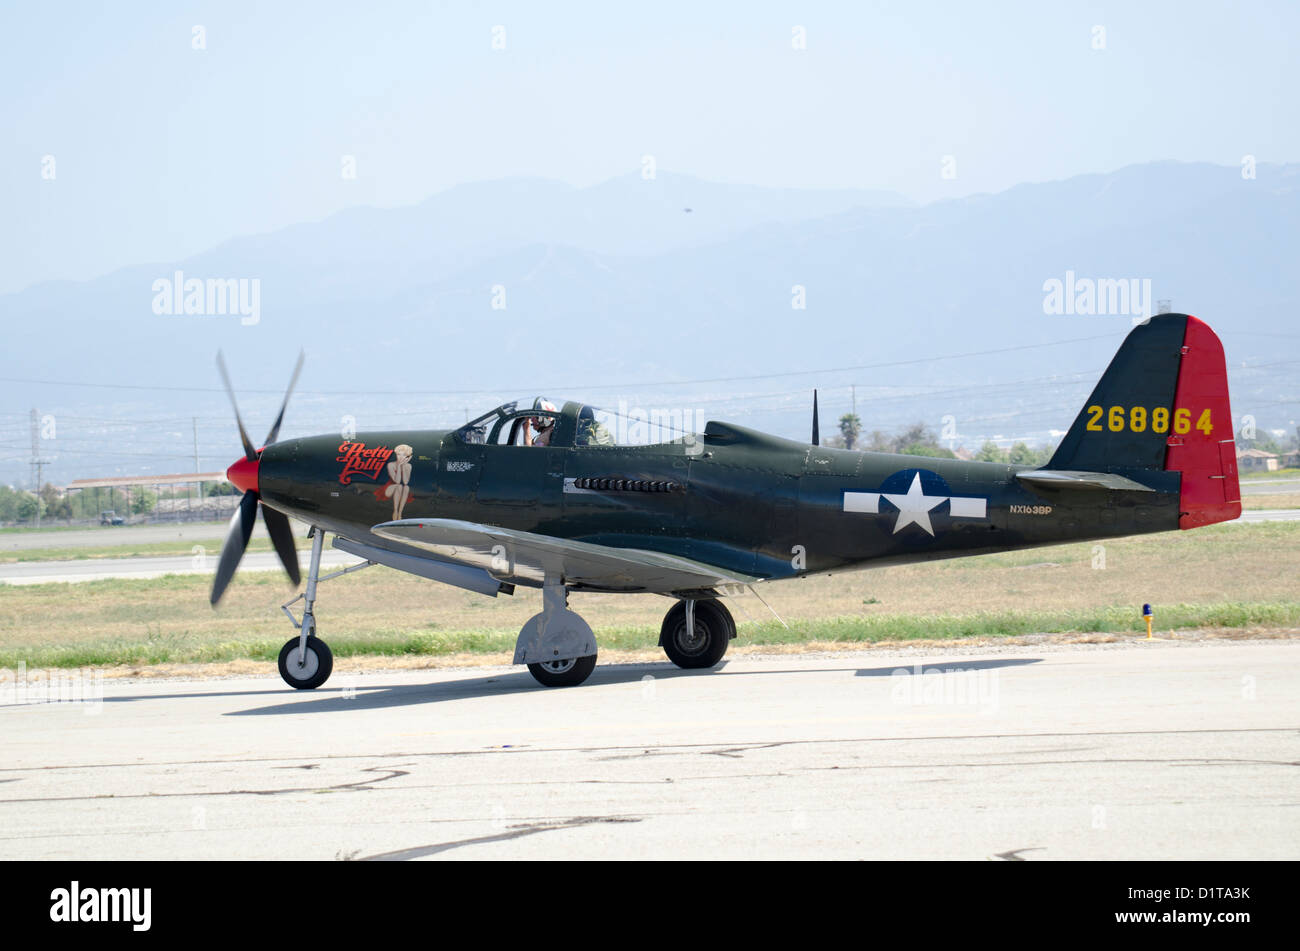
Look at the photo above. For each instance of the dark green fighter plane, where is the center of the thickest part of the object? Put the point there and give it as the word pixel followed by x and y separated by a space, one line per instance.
pixel 554 497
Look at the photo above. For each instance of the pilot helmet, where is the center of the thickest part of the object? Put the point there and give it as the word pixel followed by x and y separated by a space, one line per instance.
pixel 543 422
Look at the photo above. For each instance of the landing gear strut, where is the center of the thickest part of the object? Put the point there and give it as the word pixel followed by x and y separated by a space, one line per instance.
pixel 557 645
pixel 695 634
pixel 306 661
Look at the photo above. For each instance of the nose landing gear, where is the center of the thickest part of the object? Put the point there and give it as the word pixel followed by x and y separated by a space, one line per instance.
pixel 306 661
pixel 307 669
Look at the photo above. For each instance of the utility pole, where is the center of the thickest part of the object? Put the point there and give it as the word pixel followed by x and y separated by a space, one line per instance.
pixel 194 422
pixel 36 475
pixel 37 462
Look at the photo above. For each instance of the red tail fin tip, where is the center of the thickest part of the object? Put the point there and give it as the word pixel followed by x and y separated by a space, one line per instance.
pixel 1201 444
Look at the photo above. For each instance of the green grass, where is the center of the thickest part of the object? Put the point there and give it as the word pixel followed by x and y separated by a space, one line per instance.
pixel 159 648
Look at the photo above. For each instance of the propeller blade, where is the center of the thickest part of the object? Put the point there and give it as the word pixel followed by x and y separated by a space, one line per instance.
pixel 249 451
pixel 274 434
pixel 816 440
pixel 277 526
pixel 241 529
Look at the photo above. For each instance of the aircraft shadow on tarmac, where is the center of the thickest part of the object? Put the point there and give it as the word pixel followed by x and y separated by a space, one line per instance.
pixel 949 667
pixel 365 697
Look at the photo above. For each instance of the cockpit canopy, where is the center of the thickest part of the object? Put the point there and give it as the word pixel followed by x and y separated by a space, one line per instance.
pixel 546 422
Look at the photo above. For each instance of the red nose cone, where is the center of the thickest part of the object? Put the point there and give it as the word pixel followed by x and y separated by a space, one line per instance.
pixel 243 474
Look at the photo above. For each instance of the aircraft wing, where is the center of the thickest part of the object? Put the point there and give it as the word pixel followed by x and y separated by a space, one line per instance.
pixel 515 556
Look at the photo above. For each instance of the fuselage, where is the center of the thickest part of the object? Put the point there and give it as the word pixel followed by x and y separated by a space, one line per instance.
pixel 744 501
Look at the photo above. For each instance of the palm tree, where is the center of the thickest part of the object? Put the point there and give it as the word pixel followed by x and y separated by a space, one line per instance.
pixel 850 428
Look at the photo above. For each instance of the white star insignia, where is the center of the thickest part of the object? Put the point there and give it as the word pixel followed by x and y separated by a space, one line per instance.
pixel 914 508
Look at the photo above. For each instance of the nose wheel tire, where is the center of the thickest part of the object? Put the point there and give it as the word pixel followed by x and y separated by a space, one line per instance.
pixel 563 673
pixel 309 672
pixel 703 647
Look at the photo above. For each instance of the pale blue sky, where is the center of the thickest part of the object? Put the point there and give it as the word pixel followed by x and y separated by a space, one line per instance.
pixel 162 150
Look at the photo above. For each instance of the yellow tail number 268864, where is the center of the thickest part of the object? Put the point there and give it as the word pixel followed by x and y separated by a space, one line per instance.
pixel 1136 419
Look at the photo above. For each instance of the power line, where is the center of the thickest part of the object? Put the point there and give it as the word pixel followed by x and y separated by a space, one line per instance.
pixel 598 386
pixel 584 387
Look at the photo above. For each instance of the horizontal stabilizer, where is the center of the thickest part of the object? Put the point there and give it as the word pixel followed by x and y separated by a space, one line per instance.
pixel 1066 479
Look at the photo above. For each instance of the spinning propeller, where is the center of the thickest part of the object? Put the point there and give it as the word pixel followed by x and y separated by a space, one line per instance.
pixel 243 475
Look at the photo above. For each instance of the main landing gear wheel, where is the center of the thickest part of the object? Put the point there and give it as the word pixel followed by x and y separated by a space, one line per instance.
pixel 563 673
pixel 313 670
pixel 703 647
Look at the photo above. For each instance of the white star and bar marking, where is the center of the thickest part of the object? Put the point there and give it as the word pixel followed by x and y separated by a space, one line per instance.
pixel 914 507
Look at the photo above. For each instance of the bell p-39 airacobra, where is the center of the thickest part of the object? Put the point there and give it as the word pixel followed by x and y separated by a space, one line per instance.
pixel 551 496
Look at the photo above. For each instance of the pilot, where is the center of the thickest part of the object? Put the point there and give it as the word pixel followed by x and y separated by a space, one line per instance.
pixel 539 429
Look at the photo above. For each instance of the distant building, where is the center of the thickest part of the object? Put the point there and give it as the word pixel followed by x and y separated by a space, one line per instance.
pixel 964 454
pixel 1291 460
pixel 197 505
pixel 1256 460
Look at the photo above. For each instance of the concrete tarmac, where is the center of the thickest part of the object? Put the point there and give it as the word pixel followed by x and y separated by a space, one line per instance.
pixel 1137 750
pixel 1267 515
pixel 147 566
pixel 120 535
pixel 1269 486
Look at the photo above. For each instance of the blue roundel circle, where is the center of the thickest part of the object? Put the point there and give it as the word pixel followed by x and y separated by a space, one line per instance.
pixel 920 518
pixel 900 482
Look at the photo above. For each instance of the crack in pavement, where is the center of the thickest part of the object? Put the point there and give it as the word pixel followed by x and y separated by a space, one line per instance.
pixel 731 752
pixel 1014 856
pixel 402 855
pixel 358 785
pixel 393 773
pixel 737 752
pixel 684 747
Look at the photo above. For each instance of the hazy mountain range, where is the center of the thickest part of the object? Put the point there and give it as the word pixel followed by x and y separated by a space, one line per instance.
pixel 612 291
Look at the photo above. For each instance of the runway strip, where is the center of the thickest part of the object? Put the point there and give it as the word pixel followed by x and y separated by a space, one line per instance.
pixel 95 569
pixel 120 535
pixel 1143 750
pixel 1267 515
pixel 1268 486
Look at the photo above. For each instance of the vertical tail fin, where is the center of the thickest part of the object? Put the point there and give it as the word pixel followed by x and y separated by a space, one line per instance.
pixel 1162 405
